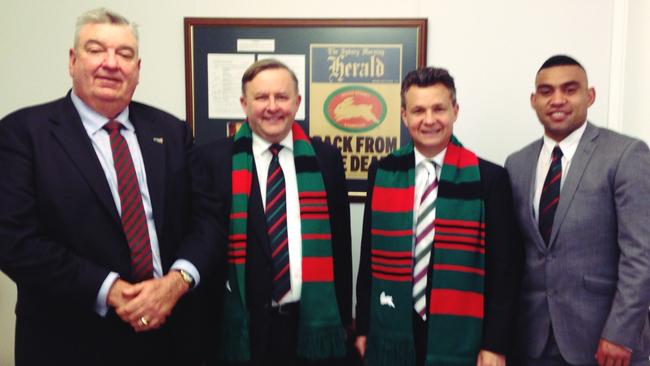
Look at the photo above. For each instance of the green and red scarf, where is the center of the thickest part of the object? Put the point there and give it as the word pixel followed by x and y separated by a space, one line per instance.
pixel 455 314
pixel 320 333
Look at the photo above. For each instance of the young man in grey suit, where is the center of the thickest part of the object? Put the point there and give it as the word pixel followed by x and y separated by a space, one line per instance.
pixel 580 194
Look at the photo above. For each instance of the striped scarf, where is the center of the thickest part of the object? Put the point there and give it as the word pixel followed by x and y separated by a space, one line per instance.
pixel 455 313
pixel 320 333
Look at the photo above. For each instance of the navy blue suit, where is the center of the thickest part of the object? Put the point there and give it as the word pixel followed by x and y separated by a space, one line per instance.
pixel 60 235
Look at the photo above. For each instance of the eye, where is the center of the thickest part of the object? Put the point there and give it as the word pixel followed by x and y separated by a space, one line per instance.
pixel 94 49
pixel 126 53
pixel 544 91
pixel 571 89
pixel 417 110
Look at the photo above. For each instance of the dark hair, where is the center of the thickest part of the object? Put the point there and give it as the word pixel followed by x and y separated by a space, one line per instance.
pixel 560 60
pixel 428 76
pixel 267 64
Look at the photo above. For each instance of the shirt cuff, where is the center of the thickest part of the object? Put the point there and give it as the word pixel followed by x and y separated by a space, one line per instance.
pixel 101 305
pixel 189 268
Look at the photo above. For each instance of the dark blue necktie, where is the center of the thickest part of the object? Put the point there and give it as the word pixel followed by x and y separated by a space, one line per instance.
pixel 276 223
pixel 550 195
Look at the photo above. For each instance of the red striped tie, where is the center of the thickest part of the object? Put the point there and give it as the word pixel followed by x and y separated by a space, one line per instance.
pixel 550 195
pixel 276 223
pixel 133 218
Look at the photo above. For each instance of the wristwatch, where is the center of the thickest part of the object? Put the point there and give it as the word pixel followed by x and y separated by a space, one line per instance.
pixel 186 277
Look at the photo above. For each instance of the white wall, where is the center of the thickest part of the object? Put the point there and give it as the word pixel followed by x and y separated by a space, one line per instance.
pixel 493 49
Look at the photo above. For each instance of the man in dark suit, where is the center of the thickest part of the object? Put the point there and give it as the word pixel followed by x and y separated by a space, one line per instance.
pixel 94 199
pixel 581 197
pixel 287 294
pixel 436 280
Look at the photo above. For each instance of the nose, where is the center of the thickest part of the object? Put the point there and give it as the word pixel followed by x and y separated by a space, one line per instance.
pixel 273 104
pixel 558 98
pixel 429 117
pixel 111 60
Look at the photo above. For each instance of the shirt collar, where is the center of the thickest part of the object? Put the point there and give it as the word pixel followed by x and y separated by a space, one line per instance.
pixel 93 121
pixel 439 158
pixel 568 145
pixel 260 146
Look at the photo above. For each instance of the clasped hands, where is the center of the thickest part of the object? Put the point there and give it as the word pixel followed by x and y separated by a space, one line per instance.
pixel 147 304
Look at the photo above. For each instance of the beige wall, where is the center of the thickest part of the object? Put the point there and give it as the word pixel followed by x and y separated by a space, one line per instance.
pixel 492 49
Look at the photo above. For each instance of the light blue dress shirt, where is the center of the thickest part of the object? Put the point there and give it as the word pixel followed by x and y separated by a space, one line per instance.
pixel 93 123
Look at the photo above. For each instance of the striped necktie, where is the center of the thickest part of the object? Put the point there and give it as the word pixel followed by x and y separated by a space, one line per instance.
pixel 134 222
pixel 550 195
pixel 424 240
pixel 276 223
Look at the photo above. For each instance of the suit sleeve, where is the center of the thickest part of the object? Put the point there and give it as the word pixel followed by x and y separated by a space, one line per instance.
pixel 341 236
pixel 206 242
pixel 503 262
pixel 364 276
pixel 629 312
pixel 29 256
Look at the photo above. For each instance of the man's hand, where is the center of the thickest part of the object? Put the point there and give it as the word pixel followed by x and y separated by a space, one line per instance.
pixel 116 298
pixel 487 358
pixel 612 354
pixel 152 301
pixel 360 345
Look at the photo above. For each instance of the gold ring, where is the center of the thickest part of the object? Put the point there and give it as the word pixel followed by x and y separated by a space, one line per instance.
pixel 143 322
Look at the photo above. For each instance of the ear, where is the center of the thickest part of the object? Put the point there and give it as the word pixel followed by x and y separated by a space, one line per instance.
pixel 242 102
pixel 591 95
pixel 456 109
pixel 72 60
pixel 298 100
pixel 532 100
pixel 403 114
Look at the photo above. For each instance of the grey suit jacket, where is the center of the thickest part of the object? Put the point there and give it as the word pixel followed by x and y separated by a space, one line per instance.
pixel 593 279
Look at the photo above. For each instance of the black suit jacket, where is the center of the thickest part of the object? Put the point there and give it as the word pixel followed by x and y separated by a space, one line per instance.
pixel 212 165
pixel 503 258
pixel 60 232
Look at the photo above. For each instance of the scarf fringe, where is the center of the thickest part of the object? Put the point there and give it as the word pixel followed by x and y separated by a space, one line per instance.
pixel 442 360
pixel 322 343
pixel 389 351
pixel 234 345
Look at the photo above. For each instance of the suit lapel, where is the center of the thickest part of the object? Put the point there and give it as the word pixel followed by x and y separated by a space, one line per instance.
pixel 256 215
pixel 152 145
pixel 529 181
pixel 579 163
pixel 74 140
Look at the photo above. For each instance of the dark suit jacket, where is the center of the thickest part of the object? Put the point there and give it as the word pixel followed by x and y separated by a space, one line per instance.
pixel 593 279
pixel 60 232
pixel 502 258
pixel 212 165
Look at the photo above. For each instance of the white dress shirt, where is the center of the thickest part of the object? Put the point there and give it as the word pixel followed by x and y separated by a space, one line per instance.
pixel 263 156
pixel 421 179
pixel 568 146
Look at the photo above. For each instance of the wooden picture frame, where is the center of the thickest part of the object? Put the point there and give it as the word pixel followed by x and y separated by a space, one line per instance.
pixel 349 73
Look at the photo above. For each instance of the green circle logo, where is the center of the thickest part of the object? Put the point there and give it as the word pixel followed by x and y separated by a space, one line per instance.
pixel 355 109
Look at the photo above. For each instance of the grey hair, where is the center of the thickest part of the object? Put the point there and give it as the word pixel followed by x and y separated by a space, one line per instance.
pixel 104 16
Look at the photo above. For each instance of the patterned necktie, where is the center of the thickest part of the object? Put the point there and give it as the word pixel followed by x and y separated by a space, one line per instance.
pixel 134 222
pixel 550 195
pixel 276 223
pixel 424 241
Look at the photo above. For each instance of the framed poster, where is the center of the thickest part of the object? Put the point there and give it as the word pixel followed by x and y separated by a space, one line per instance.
pixel 349 73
